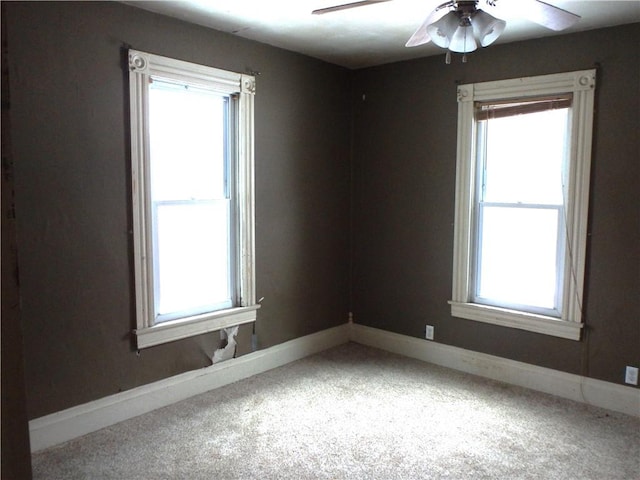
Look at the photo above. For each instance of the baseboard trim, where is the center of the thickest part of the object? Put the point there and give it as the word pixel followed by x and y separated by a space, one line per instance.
pixel 77 421
pixel 574 387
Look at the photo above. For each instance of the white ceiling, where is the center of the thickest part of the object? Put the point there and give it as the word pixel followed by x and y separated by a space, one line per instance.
pixel 365 36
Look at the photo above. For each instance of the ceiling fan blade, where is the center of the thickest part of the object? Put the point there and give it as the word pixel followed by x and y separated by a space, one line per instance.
pixel 420 36
pixel 542 13
pixel 346 6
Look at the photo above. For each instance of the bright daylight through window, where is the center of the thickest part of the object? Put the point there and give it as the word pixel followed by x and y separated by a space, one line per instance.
pixel 521 202
pixel 191 204
pixel 192 178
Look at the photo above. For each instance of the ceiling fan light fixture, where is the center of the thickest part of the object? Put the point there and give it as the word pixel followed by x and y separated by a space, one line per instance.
pixel 465 27
pixel 442 31
pixel 463 40
pixel 487 28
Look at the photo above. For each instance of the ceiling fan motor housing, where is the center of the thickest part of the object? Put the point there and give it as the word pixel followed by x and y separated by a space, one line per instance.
pixel 466 9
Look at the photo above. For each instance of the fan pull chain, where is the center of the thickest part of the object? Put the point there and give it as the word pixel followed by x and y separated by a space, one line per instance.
pixel 447 58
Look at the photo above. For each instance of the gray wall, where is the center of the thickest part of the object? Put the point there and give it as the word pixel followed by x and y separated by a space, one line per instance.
pixel 16 462
pixel 405 154
pixel 69 118
pixel 72 183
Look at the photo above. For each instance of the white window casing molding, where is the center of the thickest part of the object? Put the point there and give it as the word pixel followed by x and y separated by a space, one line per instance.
pixel 581 85
pixel 143 67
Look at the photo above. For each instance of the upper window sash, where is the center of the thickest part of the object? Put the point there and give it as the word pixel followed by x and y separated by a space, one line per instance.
pixel 580 86
pixel 143 68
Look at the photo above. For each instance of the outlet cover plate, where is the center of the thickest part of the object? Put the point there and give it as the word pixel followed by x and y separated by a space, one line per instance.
pixel 429 332
pixel 631 376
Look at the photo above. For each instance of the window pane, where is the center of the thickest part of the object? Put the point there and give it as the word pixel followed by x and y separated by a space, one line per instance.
pixel 525 157
pixel 518 256
pixel 187 142
pixel 190 197
pixel 192 256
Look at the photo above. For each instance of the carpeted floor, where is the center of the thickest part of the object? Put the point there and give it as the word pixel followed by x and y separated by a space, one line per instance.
pixel 358 413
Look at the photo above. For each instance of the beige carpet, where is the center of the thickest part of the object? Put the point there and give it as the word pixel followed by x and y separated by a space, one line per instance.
pixel 359 413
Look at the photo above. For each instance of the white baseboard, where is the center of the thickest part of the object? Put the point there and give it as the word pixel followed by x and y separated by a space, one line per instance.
pixel 574 387
pixel 74 422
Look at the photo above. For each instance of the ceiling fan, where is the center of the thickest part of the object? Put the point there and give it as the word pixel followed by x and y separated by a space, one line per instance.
pixel 460 26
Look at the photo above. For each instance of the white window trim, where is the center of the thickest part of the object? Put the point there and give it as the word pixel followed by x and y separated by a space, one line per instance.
pixel 143 66
pixel 582 85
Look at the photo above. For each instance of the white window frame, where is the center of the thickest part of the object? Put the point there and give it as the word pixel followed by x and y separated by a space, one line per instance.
pixel 581 85
pixel 142 68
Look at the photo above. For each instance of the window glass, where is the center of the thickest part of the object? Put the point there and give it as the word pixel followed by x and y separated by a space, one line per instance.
pixel 518 257
pixel 192 260
pixel 524 157
pixel 190 201
pixel 521 158
pixel 187 130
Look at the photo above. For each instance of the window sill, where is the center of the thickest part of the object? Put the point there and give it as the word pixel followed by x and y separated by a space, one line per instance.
pixel 516 319
pixel 197 325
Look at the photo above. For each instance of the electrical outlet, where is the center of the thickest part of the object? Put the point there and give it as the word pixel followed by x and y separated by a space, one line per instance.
pixel 428 334
pixel 631 376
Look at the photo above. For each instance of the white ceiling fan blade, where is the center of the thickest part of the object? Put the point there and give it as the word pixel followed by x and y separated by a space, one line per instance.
pixel 420 36
pixel 346 6
pixel 542 13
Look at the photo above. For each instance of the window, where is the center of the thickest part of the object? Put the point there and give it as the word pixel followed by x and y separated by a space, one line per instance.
pixel 192 189
pixel 522 188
